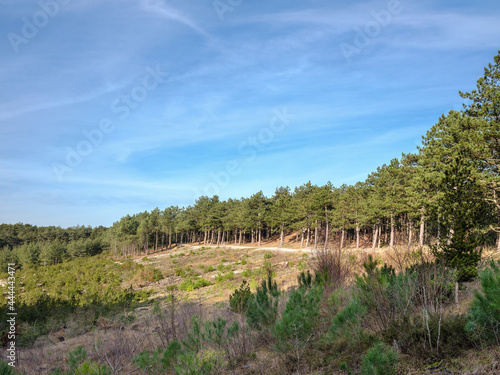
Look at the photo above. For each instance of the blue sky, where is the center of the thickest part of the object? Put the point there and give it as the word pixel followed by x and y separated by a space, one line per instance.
pixel 110 108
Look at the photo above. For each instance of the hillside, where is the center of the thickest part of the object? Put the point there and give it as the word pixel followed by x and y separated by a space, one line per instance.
pixel 117 337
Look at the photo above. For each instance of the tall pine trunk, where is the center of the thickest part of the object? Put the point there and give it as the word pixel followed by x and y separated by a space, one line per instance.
pixel 326 231
pixel 357 236
pixel 410 233
pixel 438 230
pixel 421 233
pixel 391 243
pixel 380 234
pixel 316 235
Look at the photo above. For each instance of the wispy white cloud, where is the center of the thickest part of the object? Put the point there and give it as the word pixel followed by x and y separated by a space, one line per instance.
pixel 161 9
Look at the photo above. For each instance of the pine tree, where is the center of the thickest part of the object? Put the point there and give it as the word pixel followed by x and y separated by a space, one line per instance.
pixel 461 208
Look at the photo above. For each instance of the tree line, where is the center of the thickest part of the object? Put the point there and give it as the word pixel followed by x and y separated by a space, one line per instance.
pixel 409 201
pixel 415 200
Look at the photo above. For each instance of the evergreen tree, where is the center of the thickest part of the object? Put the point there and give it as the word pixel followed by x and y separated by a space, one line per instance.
pixel 462 208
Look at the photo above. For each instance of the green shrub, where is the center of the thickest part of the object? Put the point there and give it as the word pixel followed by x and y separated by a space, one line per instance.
pixel 484 314
pixel 348 320
pixel 243 262
pixel 5 369
pixel 305 280
pixel 263 308
pixel 299 318
pixel 75 357
pixel 346 339
pixel 301 266
pixel 191 283
pixel 224 277
pixel 267 268
pixel 268 255
pixel 238 301
pixel 149 362
pixel 171 353
pixel 247 272
pixel 93 368
pixel 379 360
pixel 183 272
pixel 157 362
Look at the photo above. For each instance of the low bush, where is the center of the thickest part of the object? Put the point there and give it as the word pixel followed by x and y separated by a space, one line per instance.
pixel 247 272
pixel 5 369
pixel 484 314
pixel 268 255
pixel 238 301
pixel 294 329
pixel 192 283
pixel 379 360
pixel 263 307
pixel 224 277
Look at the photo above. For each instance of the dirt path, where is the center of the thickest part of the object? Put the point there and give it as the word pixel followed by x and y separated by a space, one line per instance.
pixel 256 248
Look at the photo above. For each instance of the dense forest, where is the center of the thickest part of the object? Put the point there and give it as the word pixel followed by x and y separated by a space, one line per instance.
pixel 403 202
